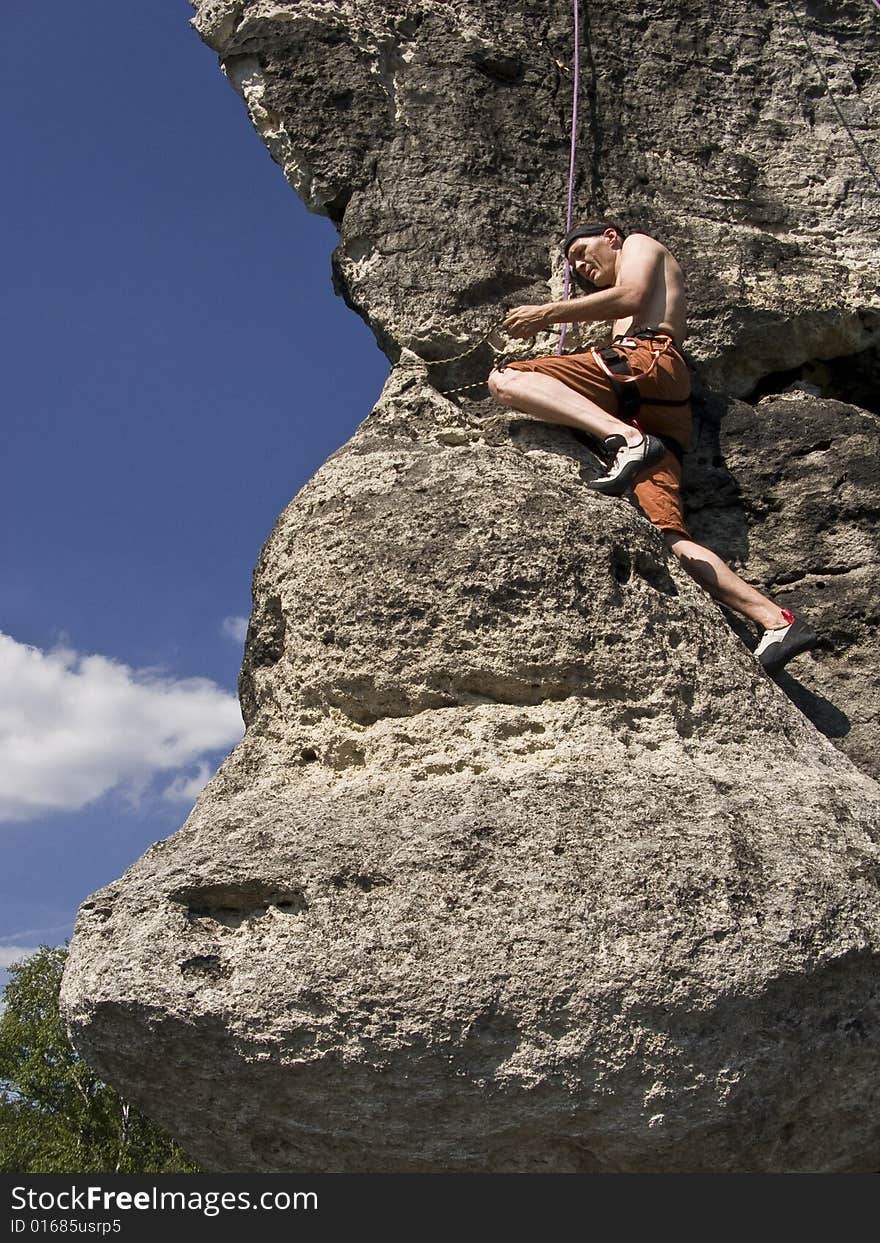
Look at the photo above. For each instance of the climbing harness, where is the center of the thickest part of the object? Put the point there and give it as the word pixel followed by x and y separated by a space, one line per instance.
pixel 571 161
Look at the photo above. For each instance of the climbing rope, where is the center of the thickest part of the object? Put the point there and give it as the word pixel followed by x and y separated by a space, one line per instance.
pixel 454 358
pixel 855 142
pixel 576 90
pixel 569 216
pixel 484 340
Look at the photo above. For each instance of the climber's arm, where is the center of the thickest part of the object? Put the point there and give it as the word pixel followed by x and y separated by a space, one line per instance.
pixel 604 304
pixel 641 260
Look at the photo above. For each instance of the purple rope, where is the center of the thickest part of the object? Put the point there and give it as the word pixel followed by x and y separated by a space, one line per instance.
pixel 574 121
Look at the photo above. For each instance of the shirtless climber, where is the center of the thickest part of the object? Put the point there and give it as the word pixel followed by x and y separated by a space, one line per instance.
pixel 645 426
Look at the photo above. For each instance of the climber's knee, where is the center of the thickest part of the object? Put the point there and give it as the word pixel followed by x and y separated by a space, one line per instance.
pixel 501 385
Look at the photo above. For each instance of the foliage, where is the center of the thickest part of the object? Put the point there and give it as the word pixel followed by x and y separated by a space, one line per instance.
pixel 56 1117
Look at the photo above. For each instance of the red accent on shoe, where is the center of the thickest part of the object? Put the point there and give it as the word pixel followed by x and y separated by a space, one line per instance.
pixel 788 615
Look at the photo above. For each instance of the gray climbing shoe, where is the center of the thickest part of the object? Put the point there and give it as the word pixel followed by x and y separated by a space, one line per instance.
pixel 629 464
pixel 778 647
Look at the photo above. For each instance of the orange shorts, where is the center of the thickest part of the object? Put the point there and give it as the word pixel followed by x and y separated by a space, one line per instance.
pixel 659 493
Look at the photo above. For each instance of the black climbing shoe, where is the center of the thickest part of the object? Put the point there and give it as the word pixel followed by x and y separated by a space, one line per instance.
pixel 628 465
pixel 777 647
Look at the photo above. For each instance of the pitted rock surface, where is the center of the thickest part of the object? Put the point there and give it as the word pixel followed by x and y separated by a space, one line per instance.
pixel 523 864
pixel 437 137
pixel 788 492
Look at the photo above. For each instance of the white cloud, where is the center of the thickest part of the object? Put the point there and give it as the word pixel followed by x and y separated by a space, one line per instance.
pixel 40 934
pixel 74 727
pixel 234 628
pixel 185 789
pixel 14 953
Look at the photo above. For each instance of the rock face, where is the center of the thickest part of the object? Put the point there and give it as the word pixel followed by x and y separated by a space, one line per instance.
pixel 523 864
pixel 437 136
pixel 789 491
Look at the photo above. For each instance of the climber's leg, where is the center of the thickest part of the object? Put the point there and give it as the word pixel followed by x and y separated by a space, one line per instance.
pixel 723 584
pixel 547 398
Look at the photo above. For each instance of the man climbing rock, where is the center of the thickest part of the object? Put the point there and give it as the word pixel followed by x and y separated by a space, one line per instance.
pixel 635 396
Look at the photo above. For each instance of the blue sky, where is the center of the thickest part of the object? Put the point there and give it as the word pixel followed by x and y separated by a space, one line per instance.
pixel 171 344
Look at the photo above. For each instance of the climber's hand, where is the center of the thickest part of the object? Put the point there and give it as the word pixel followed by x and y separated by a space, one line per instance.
pixel 525 321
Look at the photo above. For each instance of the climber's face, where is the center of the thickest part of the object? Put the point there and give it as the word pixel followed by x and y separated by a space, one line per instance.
pixel 594 259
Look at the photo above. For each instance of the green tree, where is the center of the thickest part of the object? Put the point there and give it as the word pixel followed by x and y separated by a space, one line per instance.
pixel 56 1117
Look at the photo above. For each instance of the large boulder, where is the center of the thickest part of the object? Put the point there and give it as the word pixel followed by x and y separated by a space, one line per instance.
pixel 437 138
pixel 523 863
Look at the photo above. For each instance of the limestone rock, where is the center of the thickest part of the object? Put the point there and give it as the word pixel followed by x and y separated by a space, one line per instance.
pixel 522 863
pixel 437 137
pixel 788 491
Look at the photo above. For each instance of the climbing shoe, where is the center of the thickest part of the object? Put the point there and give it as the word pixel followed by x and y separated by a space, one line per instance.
pixel 630 462
pixel 777 647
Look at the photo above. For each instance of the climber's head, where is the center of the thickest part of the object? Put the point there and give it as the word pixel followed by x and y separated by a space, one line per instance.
pixel 591 249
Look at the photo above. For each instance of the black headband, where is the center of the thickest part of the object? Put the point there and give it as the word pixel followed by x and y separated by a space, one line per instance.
pixel 585 230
